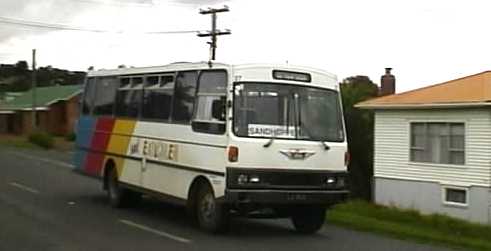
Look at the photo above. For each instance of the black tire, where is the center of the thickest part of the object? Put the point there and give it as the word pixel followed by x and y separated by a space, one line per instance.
pixel 120 197
pixel 308 219
pixel 211 215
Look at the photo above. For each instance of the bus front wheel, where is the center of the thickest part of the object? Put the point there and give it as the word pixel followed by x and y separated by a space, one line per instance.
pixel 308 219
pixel 211 215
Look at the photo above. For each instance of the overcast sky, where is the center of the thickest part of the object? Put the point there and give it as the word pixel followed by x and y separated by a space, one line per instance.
pixel 425 41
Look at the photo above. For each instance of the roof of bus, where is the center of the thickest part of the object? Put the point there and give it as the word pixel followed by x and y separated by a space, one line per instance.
pixel 284 67
pixel 152 69
pixel 203 65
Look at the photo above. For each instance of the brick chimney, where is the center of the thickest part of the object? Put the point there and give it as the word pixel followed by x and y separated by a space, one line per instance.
pixel 387 83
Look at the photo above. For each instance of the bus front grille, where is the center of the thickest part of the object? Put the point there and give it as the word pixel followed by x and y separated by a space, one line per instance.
pixel 246 178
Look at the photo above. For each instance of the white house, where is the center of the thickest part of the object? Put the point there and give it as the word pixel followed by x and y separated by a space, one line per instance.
pixel 433 148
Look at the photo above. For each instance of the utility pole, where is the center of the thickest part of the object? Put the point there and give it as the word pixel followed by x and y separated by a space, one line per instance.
pixel 33 89
pixel 214 31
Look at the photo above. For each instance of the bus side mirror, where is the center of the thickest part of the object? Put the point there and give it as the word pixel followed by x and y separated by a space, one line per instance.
pixel 218 109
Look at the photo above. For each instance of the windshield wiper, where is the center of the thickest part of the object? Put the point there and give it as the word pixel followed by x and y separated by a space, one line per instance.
pixel 299 122
pixel 326 146
pixel 270 141
pixel 302 126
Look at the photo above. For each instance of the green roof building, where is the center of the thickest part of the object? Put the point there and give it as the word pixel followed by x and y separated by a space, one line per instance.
pixel 56 110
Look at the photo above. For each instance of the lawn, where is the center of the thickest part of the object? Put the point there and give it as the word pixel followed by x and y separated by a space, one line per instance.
pixel 15 141
pixel 411 225
pixel 60 143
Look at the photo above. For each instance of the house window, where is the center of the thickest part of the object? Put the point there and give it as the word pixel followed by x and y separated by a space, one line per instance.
pixel 438 143
pixel 455 196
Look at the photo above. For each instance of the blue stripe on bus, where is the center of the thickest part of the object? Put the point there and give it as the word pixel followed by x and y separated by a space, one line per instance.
pixel 85 128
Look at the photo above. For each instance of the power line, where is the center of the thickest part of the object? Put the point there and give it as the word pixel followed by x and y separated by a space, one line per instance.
pixel 34 24
pixel 141 4
pixel 118 3
pixel 40 25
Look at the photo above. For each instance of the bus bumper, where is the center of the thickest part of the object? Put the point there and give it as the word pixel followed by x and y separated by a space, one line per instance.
pixel 278 197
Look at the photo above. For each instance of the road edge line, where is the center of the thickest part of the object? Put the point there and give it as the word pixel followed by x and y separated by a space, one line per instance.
pixel 154 231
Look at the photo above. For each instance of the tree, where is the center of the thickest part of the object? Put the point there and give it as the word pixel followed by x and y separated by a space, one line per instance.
pixel 359 127
pixel 21 67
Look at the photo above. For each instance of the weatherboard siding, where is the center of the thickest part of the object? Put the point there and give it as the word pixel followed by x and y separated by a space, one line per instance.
pixel 392 142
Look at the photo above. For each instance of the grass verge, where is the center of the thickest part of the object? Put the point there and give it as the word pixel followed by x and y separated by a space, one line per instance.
pixel 411 225
pixel 21 142
pixel 60 143
pixel 42 139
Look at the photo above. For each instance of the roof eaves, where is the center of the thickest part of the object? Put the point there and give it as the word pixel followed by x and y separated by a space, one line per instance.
pixel 422 106
pixel 64 98
pixel 15 109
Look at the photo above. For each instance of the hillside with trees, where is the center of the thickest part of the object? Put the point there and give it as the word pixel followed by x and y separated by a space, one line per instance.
pixel 17 77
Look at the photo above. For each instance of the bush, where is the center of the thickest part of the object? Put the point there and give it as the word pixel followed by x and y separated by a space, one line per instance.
pixel 71 137
pixel 42 139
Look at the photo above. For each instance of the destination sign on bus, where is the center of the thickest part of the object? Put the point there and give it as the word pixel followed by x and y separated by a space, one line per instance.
pixel 256 130
pixel 292 76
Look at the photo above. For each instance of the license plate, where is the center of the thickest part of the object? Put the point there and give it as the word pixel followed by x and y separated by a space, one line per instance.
pixel 296 197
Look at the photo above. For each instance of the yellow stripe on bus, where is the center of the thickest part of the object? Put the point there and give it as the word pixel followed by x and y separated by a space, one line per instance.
pixel 120 139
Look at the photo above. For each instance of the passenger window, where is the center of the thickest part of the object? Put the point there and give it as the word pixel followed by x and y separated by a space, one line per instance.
pixel 185 89
pixel 88 98
pixel 105 95
pixel 211 97
pixel 157 97
pixel 136 81
pixel 129 97
pixel 125 82
pixel 151 81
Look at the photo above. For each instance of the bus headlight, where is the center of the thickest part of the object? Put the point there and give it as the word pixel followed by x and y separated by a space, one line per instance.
pixel 331 180
pixel 242 179
pixel 341 182
pixel 254 179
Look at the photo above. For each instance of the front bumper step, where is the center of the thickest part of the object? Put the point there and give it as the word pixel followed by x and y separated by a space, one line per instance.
pixel 269 197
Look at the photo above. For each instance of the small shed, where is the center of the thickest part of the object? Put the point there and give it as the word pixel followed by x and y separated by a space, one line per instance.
pixel 433 148
pixel 56 110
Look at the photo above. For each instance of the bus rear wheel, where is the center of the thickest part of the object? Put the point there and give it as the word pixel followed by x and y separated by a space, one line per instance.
pixel 308 219
pixel 211 215
pixel 120 197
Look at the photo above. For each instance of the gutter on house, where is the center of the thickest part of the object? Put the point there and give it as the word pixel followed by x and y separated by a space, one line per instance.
pixel 423 106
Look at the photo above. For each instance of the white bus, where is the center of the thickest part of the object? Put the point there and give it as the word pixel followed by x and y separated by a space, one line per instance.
pixel 223 140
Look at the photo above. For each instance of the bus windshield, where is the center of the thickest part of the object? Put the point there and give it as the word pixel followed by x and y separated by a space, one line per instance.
pixel 267 110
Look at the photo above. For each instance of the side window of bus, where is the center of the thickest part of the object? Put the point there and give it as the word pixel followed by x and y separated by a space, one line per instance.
pixel 105 95
pixel 157 97
pixel 129 97
pixel 184 93
pixel 88 97
pixel 210 107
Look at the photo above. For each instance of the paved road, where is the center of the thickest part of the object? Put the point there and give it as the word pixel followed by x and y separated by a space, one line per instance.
pixel 45 206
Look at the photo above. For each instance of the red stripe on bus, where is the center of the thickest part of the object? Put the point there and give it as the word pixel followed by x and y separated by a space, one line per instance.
pixel 100 140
